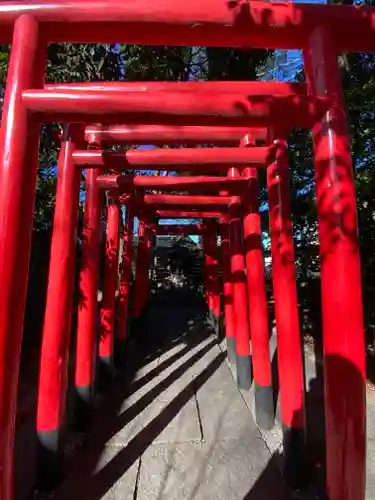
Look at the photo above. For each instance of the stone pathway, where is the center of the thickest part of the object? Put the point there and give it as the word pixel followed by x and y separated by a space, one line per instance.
pixel 176 428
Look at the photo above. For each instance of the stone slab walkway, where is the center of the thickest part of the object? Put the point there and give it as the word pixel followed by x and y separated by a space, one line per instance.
pixel 176 428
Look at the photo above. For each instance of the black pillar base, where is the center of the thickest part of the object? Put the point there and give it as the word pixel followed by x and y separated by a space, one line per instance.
pixel 264 406
pixel 210 318
pixel 216 325
pixel 120 354
pixel 221 327
pixel 295 460
pixel 231 350
pixel 243 364
pixel 105 374
pixel 50 460
pixel 135 325
pixel 83 407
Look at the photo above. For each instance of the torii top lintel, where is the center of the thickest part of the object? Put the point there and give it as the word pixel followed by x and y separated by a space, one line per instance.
pixel 237 23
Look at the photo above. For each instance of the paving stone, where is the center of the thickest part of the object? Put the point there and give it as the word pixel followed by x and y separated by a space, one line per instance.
pixel 125 486
pixel 228 470
pixel 169 376
pixel 173 420
pixel 108 473
pixel 166 381
pixel 370 476
pixel 150 444
pixel 174 351
pixel 272 437
pixel 189 355
pixel 176 378
pixel 185 427
pixel 222 410
pixel 206 361
pixel 371 415
pixel 146 368
pixel 183 378
pixel 310 365
pixel 158 400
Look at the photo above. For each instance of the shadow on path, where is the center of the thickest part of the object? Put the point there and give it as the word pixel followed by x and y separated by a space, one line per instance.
pixel 166 336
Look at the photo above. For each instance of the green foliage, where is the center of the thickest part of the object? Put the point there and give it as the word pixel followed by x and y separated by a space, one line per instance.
pixel 68 62
pixel 358 79
pixel 146 63
pixel 234 64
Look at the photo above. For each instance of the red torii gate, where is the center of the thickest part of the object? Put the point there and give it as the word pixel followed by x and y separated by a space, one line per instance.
pixel 178 229
pixel 193 184
pixel 322 31
pixel 164 134
pixel 212 24
pixel 193 160
pixel 192 214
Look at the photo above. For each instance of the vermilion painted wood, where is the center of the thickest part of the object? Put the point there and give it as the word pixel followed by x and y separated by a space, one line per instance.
pixel 195 23
pixel 193 184
pixel 19 145
pixel 142 264
pixel 171 229
pixel 191 159
pixel 182 199
pixel 255 281
pixel 179 134
pixel 107 313
pixel 179 108
pixel 125 273
pixel 212 269
pixel 219 24
pixel 182 202
pixel 53 378
pixel 89 282
pixel 148 254
pixel 256 292
pixel 289 349
pixel 251 88
pixel 238 275
pixel 185 206
pixel 342 306
pixel 206 281
pixel 229 312
pixel 181 214
pixel 180 234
